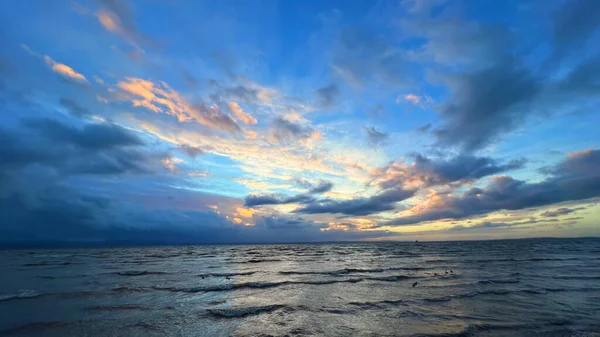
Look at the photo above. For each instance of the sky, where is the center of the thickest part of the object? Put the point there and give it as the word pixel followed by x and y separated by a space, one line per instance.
pixel 174 121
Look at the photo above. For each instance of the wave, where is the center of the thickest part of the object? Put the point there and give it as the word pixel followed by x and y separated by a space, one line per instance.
pixel 348 271
pixel 139 273
pixel 40 264
pixel 533 259
pixel 392 278
pixel 129 289
pixel 242 273
pixel 493 281
pixel 20 296
pixel 235 286
pixel 35 327
pixel 578 277
pixel 243 311
pixel 260 260
pixel 123 307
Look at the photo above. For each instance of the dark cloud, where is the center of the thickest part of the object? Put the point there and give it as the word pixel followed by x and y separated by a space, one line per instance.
pixel 584 79
pixel 253 200
pixel 384 201
pixel 91 136
pixel 286 131
pixel 362 55
pixel 424 128
pixel 191 151
pixel 575 21
pixel 560 211
pixel 432 172
pixel 321 187
pixel 74 108
pixel 213 116
pixel 482 225
pixel 375 137
pixel 485 104
pixel 239 93
pixel 328 96
pixel 94 149
pixel 576 178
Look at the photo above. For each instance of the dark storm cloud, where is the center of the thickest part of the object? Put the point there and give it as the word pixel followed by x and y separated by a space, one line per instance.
pixel 285 131
pixel 74 108
pixel 328 96
pixel 576 178
pixel 384 201
pixel 439 171
pixel 375 137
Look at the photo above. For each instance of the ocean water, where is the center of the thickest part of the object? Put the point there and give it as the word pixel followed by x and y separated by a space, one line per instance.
pixel 542 287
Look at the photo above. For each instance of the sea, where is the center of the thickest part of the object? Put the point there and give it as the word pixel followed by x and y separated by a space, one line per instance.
pixel 533 287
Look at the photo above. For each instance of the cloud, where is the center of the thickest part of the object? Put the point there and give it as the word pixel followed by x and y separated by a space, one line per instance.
pixel 240 114
pixel 375 137
pixel 575 21
pixel 576 178
pixel 117 17
pixel 65 70
pixel 412 98
pixel 421 101
pixel 321 186
pixel 560 211
pixel 328 96
pixel 384 201
pixel 95 149
pixel 361 56
pixel 424 128
pixel 481 225
pixel 92 136
pixel 191 151
pixel 486 104
pixel 275 199
pixel 159 97
pixel 74 108
pixel 287 131
pixel 427 172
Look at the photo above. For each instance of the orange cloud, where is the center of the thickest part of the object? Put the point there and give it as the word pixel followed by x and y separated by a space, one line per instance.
pixel 65 70
pixel 240 114
pixel 159 97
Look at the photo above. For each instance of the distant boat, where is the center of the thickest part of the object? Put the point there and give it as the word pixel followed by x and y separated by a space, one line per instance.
pixel 417 241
